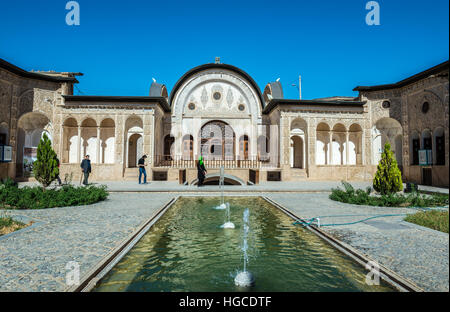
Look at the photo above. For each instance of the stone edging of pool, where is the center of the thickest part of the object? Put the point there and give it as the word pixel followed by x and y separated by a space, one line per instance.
pixel 400 283
pixel 93 276
pixel 90 279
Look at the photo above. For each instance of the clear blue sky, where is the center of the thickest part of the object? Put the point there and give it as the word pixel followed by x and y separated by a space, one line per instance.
pixel 121 45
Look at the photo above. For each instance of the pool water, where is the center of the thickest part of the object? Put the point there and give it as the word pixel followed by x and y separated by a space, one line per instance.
pixel 187 250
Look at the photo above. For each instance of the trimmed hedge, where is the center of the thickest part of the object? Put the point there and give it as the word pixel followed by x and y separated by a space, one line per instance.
pixel 13 197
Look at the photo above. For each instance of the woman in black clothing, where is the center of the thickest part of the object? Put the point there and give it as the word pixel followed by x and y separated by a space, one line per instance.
pixel 201 171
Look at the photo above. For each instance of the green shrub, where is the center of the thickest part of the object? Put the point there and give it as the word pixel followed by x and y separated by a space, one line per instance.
pixel 363 197
pixel 45 168
pixel 388 178
pixel 13 197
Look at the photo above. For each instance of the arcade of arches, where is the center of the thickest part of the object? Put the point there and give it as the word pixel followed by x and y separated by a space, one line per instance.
pixel 219 112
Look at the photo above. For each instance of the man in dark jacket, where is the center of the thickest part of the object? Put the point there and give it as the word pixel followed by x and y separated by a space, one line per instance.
pixel 57 176
pixel 141 164
pixel 86 169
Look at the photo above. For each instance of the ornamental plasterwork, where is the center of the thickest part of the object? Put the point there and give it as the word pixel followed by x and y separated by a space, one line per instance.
pixel 221 92
pixel 230 98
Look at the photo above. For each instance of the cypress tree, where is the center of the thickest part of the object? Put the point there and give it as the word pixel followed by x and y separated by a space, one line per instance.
pixel 388 178
pixel 45 168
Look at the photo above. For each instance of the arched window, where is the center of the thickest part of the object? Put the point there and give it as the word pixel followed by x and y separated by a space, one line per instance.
pixel 243 147
pixel 415 147
pixel 3 133
pixel 168 143
pixel 188 147
pixel 439 146
pixel 427 142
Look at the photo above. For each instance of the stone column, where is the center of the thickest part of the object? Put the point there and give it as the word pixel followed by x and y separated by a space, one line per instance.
pixel 79 145
pixel 347 134
pixel 330 149
pixel 285 138
pixel 61 144
pixel 98 146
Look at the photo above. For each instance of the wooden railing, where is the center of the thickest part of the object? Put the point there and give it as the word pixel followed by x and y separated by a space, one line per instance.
pixel 165 161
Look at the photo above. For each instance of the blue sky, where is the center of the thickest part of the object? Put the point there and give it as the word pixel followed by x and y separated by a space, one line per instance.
pixel 121 45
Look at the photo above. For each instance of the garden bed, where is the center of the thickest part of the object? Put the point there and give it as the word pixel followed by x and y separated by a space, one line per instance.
pixel 434 219
pixel 9 225
pixel 13 197
pixel 349 195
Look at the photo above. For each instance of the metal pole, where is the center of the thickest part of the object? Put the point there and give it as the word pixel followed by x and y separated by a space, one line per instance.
pixel 300 86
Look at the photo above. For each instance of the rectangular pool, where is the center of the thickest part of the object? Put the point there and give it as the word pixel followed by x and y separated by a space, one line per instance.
pixel 187 250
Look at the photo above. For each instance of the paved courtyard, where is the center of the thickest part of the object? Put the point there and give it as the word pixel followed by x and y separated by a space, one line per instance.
pixel 34 259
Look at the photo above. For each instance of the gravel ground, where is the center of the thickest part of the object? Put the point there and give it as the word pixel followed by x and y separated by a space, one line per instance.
pixel 35 259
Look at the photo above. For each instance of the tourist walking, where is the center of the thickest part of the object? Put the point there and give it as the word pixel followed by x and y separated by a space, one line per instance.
pixel 141 165
pixel 201 171
pixel 86 169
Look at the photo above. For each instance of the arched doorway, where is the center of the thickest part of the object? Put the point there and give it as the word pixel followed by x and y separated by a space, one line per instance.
pixel 89 139
pixel 298 146
pixel 70 148
pixel 297 152
pixel 337 144
pixel 31 128
pixel 134 141
pixel 387 130
pixel 323 144
pixel 134 150
pixel 353 150
pixel 217 141
pixel 107 141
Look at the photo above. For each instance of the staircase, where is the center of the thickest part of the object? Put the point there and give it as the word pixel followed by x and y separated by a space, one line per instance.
pixel 131 174
pixel 298 174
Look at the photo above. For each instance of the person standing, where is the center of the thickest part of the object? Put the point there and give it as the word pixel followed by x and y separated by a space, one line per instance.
pixel 57 176
pixel 141 164
pixel 86 169
pixel 201 171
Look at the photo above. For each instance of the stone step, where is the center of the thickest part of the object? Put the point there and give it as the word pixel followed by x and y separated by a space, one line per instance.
pixel 131 172
pixel 298 174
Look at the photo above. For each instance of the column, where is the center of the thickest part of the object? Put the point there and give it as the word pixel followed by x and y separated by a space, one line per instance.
pixel 79 145
pixel 98 145
pixel 330 149
pixel 347 134
pixel 61 144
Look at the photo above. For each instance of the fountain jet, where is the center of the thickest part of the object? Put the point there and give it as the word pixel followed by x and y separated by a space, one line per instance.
pixel 228 224
pixel 222 206
pixel 245 278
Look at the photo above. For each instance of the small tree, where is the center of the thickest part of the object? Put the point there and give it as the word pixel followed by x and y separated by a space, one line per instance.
pixel 45 168
pixel 388 178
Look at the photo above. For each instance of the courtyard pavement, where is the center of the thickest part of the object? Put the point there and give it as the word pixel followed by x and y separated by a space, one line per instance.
pixel 35 258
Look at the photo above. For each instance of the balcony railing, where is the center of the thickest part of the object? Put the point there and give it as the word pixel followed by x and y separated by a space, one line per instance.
pixel 164 161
